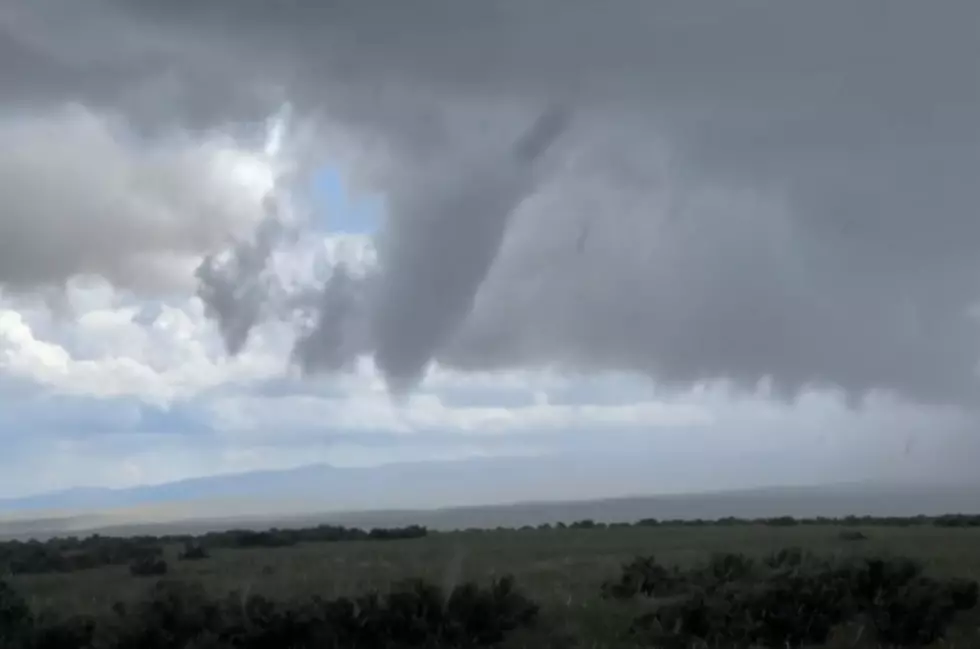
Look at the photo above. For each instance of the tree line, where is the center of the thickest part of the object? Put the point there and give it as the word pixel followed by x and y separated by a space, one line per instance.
pixel 68 554
pixel 72 553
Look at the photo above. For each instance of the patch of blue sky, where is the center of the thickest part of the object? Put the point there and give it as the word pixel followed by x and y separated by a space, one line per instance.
pixel 341 212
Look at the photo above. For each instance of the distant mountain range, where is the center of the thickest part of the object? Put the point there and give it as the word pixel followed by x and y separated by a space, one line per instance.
pixel 417 484
pixel 455 494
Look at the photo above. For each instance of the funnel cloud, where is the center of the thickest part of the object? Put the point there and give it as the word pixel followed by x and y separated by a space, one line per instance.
pixel 441 249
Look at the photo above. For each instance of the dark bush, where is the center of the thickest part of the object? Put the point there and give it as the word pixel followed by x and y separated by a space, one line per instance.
pixel 781 521
pixel 484 616
pixel 852 535
pixel 793 598
pixel 794 609
pixel 872 578
pixel 644 576
pixel 394 534
pixel 957 520
pixel 964 593
pixel 72 553
pixel 731 604
pixel 723 568
pixel 916 614
pixel 690 622
pixel 148 567
pixel 16 619
pixel 791 558
pixel 193 552
pixel 178 614
pixel 72 633
pixel 906 607
pixel 171 614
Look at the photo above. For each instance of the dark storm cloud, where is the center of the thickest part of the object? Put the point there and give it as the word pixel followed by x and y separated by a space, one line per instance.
pixel 338 331
pixel 53 51
pixel 235 287
pixel 441 249
pixel 769 189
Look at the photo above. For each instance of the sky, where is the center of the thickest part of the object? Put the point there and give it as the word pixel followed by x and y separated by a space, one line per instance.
pixel 240 235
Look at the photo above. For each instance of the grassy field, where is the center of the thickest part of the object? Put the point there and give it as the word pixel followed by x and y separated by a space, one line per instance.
pixel 562 569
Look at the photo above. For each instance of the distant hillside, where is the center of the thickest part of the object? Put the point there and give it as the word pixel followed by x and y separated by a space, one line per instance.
pixel 398 495
pixel 420 484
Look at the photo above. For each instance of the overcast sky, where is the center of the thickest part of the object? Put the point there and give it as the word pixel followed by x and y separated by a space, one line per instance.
pixel 241 234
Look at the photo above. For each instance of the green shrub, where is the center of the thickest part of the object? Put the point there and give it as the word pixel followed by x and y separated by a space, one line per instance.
pixel 792 598
pixel 179 614
pixel 148 567
pixel 193 552
pixel 644 576
pixel 852 535
pixel 72 633
pixel 16 619
pixel 723 568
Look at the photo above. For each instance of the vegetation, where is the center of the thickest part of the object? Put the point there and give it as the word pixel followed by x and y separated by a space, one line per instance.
pixel 791 598
pixel 148 567
pixel 72 553
pixel 853 535
pixel 774 582
pixel 175 615
pixel 68 554
pixel 193 551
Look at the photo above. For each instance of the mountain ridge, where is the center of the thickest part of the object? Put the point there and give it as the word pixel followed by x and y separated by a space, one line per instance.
pixel 480 492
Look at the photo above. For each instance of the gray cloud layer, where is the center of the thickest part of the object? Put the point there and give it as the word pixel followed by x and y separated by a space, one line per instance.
pixel 236 287
pixel 768 189
pixel 78 199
